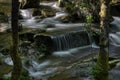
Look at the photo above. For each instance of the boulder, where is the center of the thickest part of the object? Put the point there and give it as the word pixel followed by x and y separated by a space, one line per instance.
pixel 27 37
pixel 44 12
pixel 44 44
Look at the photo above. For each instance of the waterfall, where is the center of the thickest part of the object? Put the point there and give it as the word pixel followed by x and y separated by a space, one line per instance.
pixel 115 38
pixel 27 13
pixel 71 40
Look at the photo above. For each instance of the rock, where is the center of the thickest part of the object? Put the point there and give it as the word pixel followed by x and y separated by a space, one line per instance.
pixel 113 63
pixel 115 74
pixel 64 19
pixel 44 12
pixel 3 17
pixel 44 44
pixel 36 12
pixel 27 37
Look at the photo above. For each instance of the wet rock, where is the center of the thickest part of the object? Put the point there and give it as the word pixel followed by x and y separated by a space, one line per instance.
pixel 3 17
pixel 27 37
pixel 44 12
pixel 64 19
pixel 36 12
pixel 79 72
pixel 49 26
pixel 4 51
pixel 115 74
pixel 44 44
pixel 24 47
pixel 81 38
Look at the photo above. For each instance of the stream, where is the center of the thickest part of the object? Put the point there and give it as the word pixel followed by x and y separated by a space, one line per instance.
pixel 72 44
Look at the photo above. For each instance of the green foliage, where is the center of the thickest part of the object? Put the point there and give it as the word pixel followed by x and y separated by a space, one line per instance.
pixel 85 10
pixel 24 76
pixel 98 72
pixel 89 18
pixel 5 9
pixel 84 5
pixel 3 17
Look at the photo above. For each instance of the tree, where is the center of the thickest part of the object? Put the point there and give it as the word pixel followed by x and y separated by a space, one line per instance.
pixel 17 65
pixel 102 66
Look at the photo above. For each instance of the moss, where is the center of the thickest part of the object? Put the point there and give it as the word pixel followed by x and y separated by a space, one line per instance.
pixel 5 40
pixel 5 8
pixel 100 71
pixel 4 69
pixel 24 76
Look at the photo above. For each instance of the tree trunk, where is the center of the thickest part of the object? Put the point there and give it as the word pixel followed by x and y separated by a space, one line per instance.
pixel 102 66
pixel 17 67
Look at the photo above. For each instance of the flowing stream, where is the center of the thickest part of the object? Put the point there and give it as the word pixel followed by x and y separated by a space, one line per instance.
pixel 71 41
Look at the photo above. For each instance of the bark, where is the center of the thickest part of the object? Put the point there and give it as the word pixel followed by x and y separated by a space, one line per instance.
pixel 102 66
pixel 17 65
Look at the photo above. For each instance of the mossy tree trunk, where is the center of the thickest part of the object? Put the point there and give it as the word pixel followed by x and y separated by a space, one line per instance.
pixel 102 66
pixel 17 65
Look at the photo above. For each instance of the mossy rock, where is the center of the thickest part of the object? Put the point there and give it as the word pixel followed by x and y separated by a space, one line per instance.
pixel 3 17
pixel 44 12
pixel 5 8
pixel 24 76
pixel 43 44
pixel 5 40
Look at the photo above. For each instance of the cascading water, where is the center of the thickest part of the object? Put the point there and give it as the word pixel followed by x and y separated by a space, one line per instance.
pixel 26 14
pixel 71 40
pixel 115 38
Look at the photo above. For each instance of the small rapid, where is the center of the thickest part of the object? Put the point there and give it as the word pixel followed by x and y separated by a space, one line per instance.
pixel 71 43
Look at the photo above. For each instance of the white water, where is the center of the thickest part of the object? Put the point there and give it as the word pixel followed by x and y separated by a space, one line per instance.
pixel 8 60
pixel 51 4
pixel 60 14
pixel 44 68
pixel 115 38
pixel 27 14
pixel 69 52
pixel 115 25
